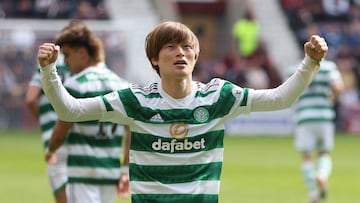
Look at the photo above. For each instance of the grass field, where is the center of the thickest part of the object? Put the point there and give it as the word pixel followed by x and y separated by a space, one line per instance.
pixel 256 170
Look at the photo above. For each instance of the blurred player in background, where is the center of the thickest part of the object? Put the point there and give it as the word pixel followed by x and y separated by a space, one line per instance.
pixel 177 124
pixel 41 108
pixel 95 171
pixel 315 128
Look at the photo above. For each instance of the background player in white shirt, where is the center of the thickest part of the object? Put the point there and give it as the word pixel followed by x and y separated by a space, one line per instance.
pixel 315 128
pixel 94 148
pixel 41 108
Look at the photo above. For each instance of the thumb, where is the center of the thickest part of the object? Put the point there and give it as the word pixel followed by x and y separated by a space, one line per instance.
pixel 309 48
pixel 56 50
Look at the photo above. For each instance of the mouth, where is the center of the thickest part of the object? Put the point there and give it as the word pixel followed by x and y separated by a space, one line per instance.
pixel 180 63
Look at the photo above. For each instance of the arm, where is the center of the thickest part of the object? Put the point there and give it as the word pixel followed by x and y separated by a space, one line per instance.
pixel 57 139
pixel 32 99
pixel 337 87
pixel 66 106
pixel 286 94
pixel 124 182
pixel 127 145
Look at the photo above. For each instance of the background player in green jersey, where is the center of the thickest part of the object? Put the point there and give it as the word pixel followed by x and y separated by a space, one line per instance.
pixel 94 148
pixel 41 108
pixel 177 124
pixel 315 128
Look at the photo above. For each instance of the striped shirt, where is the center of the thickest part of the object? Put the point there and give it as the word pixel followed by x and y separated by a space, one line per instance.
pixel 314 104
pixel 47 115
pixel 177 153
pixel 94 148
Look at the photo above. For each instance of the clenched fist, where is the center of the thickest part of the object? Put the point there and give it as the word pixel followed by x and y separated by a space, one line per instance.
pixel 48 53
pixel 316 47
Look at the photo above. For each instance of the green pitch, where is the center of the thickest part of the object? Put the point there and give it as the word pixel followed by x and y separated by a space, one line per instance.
pixel 256 170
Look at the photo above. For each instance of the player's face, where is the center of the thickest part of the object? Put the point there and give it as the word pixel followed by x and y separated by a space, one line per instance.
pixel 72 58
pixel 176 60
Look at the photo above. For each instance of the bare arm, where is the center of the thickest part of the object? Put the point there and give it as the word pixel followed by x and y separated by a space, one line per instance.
pixel 337 87
pixel 32 99
pixel 57 138
pixel 124 181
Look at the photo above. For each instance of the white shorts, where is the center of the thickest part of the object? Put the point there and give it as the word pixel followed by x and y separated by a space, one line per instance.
pixel 58 172
pixel 91 193
pixel 314 137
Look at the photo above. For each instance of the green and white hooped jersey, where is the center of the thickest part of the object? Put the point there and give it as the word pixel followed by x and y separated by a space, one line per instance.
pixel 314 104
pixel 47 115
pixel 94 148
pixel 176 144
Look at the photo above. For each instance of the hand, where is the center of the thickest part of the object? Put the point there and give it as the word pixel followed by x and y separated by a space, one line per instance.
pixel 48 53
pixel 50 158
pixel 124 185
pixel 316 48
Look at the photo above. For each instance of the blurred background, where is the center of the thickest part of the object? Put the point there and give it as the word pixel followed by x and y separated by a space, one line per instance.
pixel 274 32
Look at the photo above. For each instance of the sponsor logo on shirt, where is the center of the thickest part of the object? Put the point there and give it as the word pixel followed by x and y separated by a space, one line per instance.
pixel 178 131
pixel 178 145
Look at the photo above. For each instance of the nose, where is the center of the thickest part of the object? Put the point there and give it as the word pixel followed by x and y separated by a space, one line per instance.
pixel 180 51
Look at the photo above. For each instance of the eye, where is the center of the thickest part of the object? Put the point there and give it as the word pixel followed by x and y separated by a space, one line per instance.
pixel 169 46
pixel 187 46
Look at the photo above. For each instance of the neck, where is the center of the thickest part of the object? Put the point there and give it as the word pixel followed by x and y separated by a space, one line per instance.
pixel 177 88
pixel 91 63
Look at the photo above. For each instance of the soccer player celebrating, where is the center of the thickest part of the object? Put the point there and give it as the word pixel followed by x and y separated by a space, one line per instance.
pixel 177 124
pixel 94 168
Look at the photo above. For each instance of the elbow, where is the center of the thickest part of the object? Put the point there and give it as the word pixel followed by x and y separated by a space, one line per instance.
pixel 283 103
pixel 289 103
pixel 29 103
pixel 65 116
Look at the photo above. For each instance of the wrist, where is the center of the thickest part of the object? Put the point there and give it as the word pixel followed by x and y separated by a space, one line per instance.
pixel 308 60
pixel 49 152
pixel 124 169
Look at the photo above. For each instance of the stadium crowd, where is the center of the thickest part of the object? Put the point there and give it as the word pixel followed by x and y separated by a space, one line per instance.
pixel 339 24
pixel 53 9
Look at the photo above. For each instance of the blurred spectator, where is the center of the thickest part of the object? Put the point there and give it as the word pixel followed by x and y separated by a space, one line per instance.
pixel 54 9
pixel 339 22
pixel 84 11
pixel 10 97
pixel 336 10
pixel 246 32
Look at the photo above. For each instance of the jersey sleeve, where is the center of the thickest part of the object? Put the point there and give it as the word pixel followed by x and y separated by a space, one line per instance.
pixel 113 109
pixel 287 93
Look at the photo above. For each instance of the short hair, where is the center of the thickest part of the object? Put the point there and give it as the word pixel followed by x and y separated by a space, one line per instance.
pixel 76 34
pixel 168 32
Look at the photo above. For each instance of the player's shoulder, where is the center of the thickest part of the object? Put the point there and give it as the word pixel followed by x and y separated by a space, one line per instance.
pixel 214 84
pixel 144 89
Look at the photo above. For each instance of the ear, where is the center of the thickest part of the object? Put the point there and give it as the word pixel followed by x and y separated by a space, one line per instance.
pixel 82 50
pixel 154 62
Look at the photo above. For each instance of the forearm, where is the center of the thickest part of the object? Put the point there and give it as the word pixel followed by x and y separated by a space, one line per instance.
pixel 32 99
pixel 58 137
pixel 66 106
pixel 127 134
pixel 286 94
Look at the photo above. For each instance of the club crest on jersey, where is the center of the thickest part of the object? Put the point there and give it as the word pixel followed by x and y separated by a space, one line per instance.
pixel 201 114
pixel 179 130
